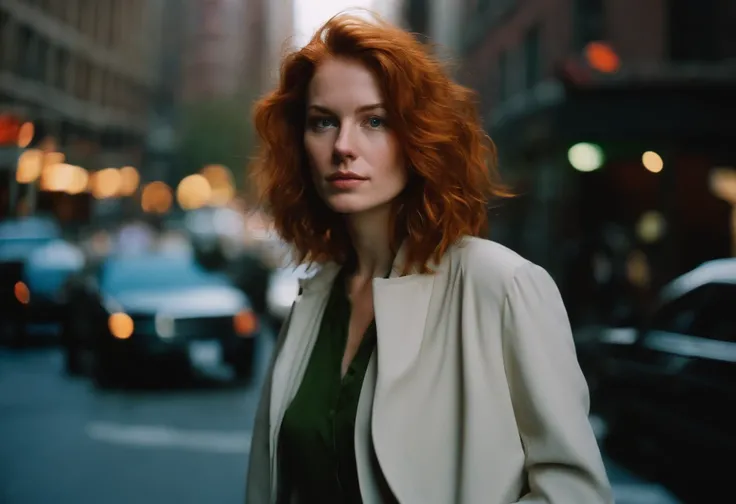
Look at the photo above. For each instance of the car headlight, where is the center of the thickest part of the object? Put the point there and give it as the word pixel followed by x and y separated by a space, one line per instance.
pixel 121 325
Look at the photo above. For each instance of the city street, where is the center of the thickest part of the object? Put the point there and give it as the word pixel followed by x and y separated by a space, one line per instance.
pixel 64 441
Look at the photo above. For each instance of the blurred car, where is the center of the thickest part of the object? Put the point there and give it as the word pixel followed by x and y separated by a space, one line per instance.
pixel 34 264
pixel 147 310
pixel 671 386
pixel 283 289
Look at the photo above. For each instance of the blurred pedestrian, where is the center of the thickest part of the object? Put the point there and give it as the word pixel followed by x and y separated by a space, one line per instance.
pixel 421 363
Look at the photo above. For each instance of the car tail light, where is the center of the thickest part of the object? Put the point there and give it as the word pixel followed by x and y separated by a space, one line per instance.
pixel 245 323
pixel 22 293
pixel 121 325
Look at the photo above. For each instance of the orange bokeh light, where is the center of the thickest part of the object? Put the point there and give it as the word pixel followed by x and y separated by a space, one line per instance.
pixel 245 323
pixel 602 57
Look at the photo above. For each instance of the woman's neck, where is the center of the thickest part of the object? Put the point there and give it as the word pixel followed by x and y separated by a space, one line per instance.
pixel 371 240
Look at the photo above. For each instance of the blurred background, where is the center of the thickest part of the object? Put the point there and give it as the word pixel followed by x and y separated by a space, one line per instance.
pixel 141 289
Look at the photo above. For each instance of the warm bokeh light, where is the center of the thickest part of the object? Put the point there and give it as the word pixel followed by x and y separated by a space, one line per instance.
pixel 106 183
pixel 51 158
pixel 638 270
pixel 129 180
pixel 79 181
pixel 602 57
pixel 652 161
pixel 30 165
pixel 58 177
pixel 217 174
pixel 193 192
pixel 156 197
pixel 221 183
pixel 121 325
pixel 22 293
pixel 723 183
pixel 48 173
pixel 25 134
pixel 222 196
pixel 651 226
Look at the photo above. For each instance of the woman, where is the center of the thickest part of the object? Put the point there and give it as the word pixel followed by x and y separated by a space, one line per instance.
pixel 421 364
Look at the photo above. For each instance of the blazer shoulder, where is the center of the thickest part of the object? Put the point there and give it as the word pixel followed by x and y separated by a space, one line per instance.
pixel 488 265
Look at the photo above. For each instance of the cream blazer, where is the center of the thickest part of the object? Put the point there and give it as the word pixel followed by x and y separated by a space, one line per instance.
pixel 473 395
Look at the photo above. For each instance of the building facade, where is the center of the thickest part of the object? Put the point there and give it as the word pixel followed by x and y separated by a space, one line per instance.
pixel 81 70
pixel 82 73
pixel 233 46
pixel 440 21
pixel 617 79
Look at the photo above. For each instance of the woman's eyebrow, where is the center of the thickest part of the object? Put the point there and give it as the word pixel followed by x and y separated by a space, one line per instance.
pixel 362 108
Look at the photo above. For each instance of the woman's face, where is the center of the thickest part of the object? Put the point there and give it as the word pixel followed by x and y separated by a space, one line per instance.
pixel 355 161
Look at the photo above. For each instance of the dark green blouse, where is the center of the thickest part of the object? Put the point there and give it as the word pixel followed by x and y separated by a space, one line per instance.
pixel 316 441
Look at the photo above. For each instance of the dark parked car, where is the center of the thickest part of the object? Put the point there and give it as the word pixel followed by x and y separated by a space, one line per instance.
pixel 34 264
pixel 133 313
pixel 671 388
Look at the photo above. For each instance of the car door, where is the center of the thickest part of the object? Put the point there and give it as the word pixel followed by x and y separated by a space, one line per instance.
pixel 706 385
pixel 650 372
pixel 689 355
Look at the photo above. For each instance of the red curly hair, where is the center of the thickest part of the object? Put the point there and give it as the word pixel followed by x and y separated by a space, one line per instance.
pixel 451 161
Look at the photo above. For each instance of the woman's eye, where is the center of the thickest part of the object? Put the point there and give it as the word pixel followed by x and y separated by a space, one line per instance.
pixel 320 123
pixel 376 122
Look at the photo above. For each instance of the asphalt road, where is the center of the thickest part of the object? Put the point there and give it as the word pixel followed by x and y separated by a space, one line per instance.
pixel 64 441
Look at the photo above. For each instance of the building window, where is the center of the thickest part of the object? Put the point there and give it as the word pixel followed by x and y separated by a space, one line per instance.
pixel 61 69
pixel 5 53
pixel 112 10
pixel 25 60
pixel 82 80
pixel 42 60
pixel 588 17
pixel 503 76
pixel 532 63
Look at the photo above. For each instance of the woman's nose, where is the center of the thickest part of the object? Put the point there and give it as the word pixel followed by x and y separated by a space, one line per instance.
pixel 344 147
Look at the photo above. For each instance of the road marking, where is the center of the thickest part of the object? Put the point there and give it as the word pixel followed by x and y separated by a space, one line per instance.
pixel 160 436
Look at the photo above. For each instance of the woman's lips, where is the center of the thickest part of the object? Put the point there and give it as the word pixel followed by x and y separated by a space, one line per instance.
pixel 345 183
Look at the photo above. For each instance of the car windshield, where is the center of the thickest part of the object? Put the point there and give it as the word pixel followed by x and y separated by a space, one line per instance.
pixel 20 237
pixel 20 248
pixel 155 273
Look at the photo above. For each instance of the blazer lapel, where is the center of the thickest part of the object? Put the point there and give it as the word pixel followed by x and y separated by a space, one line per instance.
pixel 400 304
pixel 401 307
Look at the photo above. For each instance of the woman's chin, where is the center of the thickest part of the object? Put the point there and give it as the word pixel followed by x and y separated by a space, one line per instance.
pixel 345 204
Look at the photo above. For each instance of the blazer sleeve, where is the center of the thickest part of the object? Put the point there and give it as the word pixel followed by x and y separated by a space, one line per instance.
pixel 258 479
pixel 550 395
